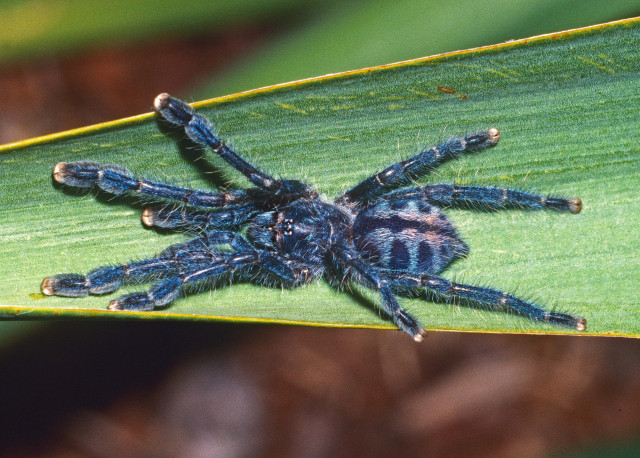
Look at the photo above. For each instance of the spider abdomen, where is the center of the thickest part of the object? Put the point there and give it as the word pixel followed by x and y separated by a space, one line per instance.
pixel 407 234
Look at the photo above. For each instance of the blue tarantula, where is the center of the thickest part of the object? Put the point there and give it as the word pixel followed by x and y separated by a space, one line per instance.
pixel 391 241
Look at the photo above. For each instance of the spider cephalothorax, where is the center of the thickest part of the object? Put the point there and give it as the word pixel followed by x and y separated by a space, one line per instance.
pixel 391 241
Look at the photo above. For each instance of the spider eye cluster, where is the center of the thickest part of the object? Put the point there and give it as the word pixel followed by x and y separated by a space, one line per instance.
pixel 287 227
pixel 276 231
pixel 262 229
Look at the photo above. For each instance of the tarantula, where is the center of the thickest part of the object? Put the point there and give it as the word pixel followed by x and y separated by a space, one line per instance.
pixel 391 241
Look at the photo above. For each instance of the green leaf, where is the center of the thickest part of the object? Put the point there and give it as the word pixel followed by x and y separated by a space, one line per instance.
pixel 363 34
pixel 567 105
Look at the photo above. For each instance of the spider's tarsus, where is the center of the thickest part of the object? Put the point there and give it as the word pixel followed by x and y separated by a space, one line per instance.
pixel 173 110
pixel 575 205
pixel 494 135
pixel 47 287
pixel 161 101
pixel 115 305
pixel 59 172
pixel 147 217
pixel 67 285
pixel 420 335
pixel 563 319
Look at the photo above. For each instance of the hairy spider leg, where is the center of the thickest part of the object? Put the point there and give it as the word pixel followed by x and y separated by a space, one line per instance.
pixel 199 129
pixel 403 319
pixel 490 297
pixel 105 279
pixel 117 180
pixel 166 291
pixel 420 164
pixel 172 217
pixel 492 198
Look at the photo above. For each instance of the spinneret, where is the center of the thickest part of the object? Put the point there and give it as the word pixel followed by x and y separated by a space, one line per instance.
pixel 393 241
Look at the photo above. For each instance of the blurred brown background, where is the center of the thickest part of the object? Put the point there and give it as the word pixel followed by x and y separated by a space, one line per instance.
pixel 193 389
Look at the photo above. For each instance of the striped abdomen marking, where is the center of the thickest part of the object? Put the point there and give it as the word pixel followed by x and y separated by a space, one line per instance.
pixel 408 235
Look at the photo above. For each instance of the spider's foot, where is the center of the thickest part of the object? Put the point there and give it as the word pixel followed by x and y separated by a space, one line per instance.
pixel 173 110
pixel 148 217
pixel 160 295
pixel 197 127
pixel 581 324
pixel 480 140
pixel 563 319
pixel 493 136
pixel 557 203
pixel 172 217
pixel 99 281
pixel 410 325
pixel 68 285
pixel 419 337
pixel 133 301
pixel 575 205
pixel 111 178
pixel 81 174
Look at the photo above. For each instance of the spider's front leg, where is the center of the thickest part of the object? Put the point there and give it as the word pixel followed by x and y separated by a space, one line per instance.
pixel 235 207
pixel 200 130
pixel 493 298
pixel 117 180
pixel 420 164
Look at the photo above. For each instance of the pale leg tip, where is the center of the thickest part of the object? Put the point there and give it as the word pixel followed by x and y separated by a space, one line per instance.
pixel 47 287
pixel 160 102
pixel 581 324
pixel 419 337
pixel 59 172
pixel 494 135
pixel 114 305
pixel 147 217
pixel 575 205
